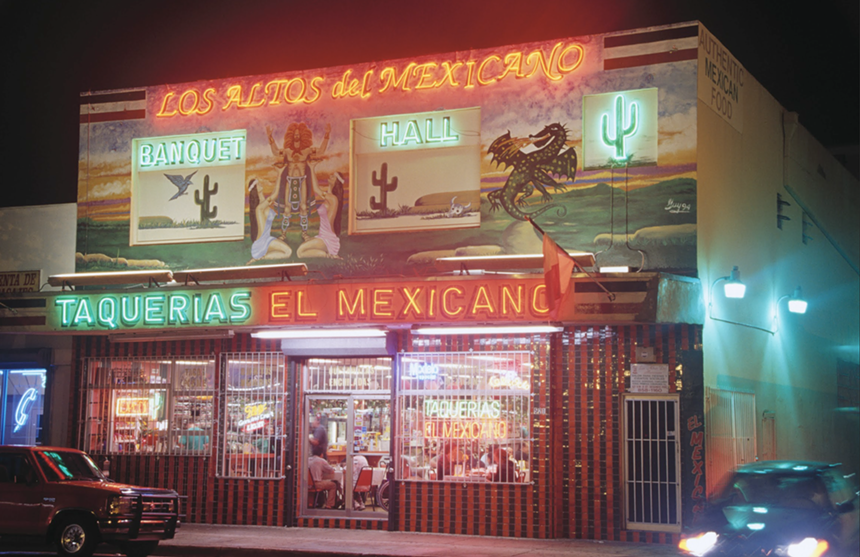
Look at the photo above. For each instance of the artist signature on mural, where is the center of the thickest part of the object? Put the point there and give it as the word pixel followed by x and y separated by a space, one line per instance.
pixel 675 208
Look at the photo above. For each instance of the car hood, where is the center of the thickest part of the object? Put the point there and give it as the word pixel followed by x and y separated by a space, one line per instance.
pixel 767 527
pixel 119 488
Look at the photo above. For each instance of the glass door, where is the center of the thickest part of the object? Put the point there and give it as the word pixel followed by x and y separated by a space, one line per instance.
pixel 350 433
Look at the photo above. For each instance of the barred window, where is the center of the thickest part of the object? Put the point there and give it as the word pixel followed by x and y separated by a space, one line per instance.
pixel 254 400
pixel 464 416
pixel 348 375
pixel 156 405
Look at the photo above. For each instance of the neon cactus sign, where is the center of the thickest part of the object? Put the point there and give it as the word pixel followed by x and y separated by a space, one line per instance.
pixel 622 130
pixel 619 129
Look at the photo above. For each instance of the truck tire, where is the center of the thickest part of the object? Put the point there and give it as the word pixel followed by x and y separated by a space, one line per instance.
pixel 76 536
pixel 139 549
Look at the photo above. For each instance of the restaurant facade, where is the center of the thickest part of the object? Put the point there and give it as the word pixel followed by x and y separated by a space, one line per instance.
pixel 355 253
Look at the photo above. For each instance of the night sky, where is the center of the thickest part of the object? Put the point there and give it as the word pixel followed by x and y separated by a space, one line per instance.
pixel 808 58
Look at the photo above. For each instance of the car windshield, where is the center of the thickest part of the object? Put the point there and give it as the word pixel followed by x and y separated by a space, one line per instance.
pixel 66 466
pixel 781 490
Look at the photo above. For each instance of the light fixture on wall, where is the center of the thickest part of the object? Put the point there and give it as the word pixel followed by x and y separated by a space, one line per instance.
pixel 796 303
pixel 146 335
pixel 152 277
pixel 524 329
pixel 319 333
pixel 733 288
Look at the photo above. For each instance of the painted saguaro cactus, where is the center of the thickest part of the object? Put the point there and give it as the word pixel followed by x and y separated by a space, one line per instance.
pixel 622 131
pixel 205 213
pixel 385 186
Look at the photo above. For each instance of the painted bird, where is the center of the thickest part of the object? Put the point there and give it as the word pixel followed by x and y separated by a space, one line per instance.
pixel 180 182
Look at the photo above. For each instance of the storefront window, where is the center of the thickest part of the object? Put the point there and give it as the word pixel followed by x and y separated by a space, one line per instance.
pixel 22 393
pixel 253 426
pixel 464 416
pixel 157 406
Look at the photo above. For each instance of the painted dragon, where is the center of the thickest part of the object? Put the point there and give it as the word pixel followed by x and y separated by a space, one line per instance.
pixel 532 170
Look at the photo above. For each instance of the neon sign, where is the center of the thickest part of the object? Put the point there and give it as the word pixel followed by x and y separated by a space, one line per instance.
pixel 256 417
pixel 390 133
pixel 462 408
pixel 508 381
pixel 423 371
pixel 466 429
pixel 620 129
pixel 441 301
pixel 132 407
pixel 22 412
pixel 197 149
pixel 561 60
pixel 252 410
pixel 112 311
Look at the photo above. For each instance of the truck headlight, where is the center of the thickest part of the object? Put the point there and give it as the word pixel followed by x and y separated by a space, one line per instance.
pixel 120 505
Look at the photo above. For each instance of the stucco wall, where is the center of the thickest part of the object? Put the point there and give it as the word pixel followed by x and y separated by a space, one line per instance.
pixel 792 371
pixel 42 238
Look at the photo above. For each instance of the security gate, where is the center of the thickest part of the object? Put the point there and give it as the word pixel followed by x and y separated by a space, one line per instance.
pixel 652 457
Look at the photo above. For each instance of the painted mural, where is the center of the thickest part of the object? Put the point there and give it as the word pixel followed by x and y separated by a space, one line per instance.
pixel 378 169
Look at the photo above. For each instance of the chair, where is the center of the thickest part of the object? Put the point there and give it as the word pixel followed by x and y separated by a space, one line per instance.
pixel 364 482
pixel 314 493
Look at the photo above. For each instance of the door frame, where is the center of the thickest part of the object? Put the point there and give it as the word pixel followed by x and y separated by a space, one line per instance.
pixel 349 399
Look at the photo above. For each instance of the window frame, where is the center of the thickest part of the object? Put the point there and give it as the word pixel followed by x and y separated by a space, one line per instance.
pixel 106 380
pixel 419 378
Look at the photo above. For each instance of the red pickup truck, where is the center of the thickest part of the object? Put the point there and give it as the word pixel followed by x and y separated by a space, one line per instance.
pixel 58 495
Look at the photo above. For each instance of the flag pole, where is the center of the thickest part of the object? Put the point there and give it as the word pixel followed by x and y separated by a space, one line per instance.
pixel 575 264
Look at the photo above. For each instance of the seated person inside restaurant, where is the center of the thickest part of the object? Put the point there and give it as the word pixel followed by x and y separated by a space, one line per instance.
pixel 358 499
pixel 505 469
pixel 319 468
pixel 473 454
pixel 447 460
pixel 195 438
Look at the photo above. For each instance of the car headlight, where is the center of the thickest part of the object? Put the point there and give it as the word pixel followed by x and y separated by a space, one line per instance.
pixel 120 505
pixel 810 547
pixel 699 545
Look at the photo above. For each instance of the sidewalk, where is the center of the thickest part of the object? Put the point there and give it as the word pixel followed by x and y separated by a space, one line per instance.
pixel 212 540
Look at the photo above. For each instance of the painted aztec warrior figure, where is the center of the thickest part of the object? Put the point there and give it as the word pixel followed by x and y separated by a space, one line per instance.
pixel 295 180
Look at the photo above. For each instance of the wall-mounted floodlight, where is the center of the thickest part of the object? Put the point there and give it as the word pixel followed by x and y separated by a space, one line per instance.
pixel 733 288
pixel 796 303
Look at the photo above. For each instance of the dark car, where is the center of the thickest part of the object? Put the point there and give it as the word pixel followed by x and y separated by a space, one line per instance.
pixel 58 495
pixel 780 508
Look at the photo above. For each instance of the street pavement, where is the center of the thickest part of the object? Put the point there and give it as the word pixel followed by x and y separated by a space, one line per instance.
pixel 212 540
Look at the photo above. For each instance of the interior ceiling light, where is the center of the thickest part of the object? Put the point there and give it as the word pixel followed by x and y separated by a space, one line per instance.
pixel 320 333
pixel 796 303
pixel 525 329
